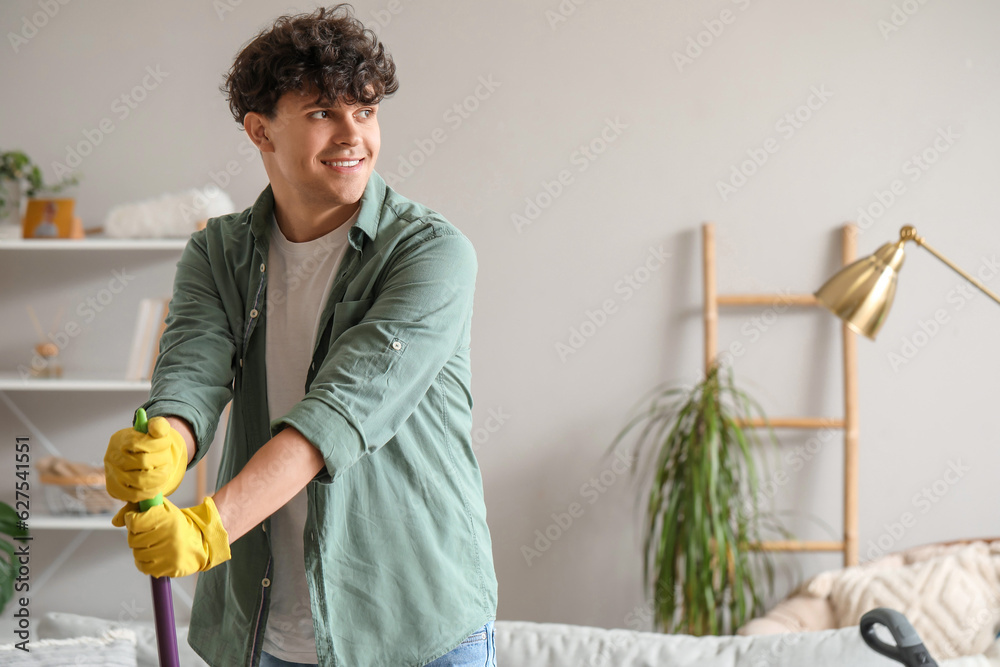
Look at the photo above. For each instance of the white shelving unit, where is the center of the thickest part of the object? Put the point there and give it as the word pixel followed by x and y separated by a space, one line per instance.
pixel 95 243
pixel 12 383
pixel 40 521
pixel 37 252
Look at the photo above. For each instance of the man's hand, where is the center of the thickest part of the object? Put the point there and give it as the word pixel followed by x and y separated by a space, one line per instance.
pixel 167 541
pixel 137 466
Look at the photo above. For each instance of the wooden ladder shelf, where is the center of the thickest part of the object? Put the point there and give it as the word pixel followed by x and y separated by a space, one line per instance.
pixel 848 423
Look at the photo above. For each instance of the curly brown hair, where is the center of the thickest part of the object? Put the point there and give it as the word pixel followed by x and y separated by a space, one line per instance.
pixel 326 50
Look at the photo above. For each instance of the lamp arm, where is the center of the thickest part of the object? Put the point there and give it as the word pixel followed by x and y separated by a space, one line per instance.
pixel 910 234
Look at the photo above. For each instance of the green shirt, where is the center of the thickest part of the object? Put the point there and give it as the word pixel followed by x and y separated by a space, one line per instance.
pixel 398 554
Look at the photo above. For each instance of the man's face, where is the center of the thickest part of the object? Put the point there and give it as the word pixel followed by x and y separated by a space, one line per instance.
pixel 315 147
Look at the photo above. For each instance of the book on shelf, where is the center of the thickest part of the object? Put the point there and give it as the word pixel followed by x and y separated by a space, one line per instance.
pixel 149 326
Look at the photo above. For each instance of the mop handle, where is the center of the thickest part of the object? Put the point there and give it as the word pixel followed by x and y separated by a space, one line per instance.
pixel 163 600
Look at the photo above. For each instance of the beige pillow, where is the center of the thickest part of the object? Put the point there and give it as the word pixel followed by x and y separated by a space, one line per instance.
pixel 798 613
pixel 952 600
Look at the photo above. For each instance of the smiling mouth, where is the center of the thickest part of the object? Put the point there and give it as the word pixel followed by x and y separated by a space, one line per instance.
pixel 344 166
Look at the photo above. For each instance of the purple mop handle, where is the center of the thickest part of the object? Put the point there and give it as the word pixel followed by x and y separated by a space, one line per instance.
pixel 166 633
pixel 163 600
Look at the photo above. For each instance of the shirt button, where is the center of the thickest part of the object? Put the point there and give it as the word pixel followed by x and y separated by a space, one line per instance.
pixel 266 582
pixel 263 527
pixel 253 313
pixel 396 345
pixel 241 363
pixel 262 268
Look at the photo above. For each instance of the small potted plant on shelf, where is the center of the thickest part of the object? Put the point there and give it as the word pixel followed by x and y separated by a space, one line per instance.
pixel 703 522
pixel 9 526
pixel 20 176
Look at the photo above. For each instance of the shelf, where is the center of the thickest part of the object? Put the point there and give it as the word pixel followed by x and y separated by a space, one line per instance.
pixel 93 244
pixel 13 382
pixel 87 522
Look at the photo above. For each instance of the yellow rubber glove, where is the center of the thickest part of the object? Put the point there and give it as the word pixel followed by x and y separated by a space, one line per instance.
pixel 168 541
pixel 137 466
pixel 119 518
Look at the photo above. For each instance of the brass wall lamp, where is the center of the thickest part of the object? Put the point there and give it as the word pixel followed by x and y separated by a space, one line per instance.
pixel 862 292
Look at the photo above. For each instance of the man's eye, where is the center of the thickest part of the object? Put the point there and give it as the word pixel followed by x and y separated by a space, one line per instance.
pixel 368 113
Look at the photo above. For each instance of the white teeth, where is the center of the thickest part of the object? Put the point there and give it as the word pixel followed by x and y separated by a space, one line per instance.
pixel 343 164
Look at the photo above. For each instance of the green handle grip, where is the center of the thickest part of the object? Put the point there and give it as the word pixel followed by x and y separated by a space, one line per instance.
pixel 141 424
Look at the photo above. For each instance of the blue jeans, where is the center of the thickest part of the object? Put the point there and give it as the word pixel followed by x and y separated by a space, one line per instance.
pixel 268 660
pixel 476 650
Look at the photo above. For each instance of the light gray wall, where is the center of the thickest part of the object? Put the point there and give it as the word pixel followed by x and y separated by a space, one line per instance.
pixel 682 127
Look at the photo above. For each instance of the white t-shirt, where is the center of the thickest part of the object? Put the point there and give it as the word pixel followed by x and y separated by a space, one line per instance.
pixel 299 279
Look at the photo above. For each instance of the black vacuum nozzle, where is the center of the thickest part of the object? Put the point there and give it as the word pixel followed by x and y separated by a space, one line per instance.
pixel 909 648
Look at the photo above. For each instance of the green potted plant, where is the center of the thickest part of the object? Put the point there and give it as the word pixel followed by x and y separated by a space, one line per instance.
pixel 8 562
pixel 703 522
pixel 18 174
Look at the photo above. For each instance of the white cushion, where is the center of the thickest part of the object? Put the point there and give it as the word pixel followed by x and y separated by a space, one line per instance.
pixel 175 214
pixel 114 648
pixel 951 600
pixel 58 625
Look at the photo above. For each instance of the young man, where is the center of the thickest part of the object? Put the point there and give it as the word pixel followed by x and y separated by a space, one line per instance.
pixel 349 526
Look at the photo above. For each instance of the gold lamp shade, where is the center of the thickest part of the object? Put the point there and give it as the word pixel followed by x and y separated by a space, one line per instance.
pixel 861 293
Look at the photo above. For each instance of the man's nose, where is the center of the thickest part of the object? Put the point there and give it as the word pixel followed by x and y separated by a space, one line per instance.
pixel 347 134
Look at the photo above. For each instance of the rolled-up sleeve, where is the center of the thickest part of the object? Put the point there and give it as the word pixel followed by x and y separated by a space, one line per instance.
pixel 378 370
pixel 195 368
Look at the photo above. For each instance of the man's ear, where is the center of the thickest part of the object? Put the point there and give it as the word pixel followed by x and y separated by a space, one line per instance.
pixel 257 127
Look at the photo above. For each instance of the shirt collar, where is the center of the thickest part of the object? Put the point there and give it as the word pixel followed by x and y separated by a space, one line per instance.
pixel 367 223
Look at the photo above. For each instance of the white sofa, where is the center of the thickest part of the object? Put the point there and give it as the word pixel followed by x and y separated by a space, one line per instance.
pixel 524 644
pixel 527 644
